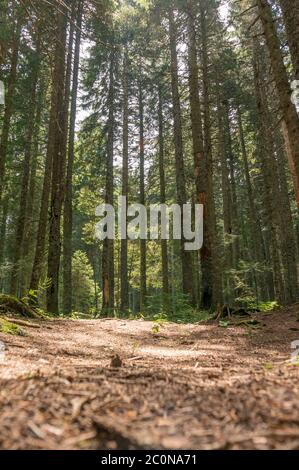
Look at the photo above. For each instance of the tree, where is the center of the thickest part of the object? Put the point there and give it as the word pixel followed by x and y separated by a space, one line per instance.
pixel 61 84
pixel 288 109
pixel 124 298
pixel 290 11
pixel 186 260
pixel 108 246
pixel 68 203
pixel 9 100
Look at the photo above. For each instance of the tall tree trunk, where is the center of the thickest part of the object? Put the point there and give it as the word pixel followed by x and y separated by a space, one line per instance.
pixel 265 145
pixel 290 11
pixel 108 245
pixel 288 109
pixel 68 203
pixel 200 160
pixel 226 196
pixel 3 30
pixel 9 99
pixel 164 247
pixel 256 241
pixel 143 291
pixel 211 240
pixel 124 294
pixel 232 181
pixel 21 220
pixel 186 257
pixel 39 255
pixel 30 224
pixel 59 156
pixel 3 226
pixel 287 233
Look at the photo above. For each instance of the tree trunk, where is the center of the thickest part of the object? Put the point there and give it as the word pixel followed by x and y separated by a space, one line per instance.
pixel 9 102
pixel 266 153
pixel 290 11
pixel 3 227
pixel 68 203
pixel 62 83
pixel 3 30
pixel 288 239
pixel 124 295
pixel 209 255
pixel 108 245
pixel 164 247
pixel 186 258
pixel 256 241
pixel 288 109
pixel 230 158
pixel 143 290
pixel 30 224
pixel 226 195
pixel 21 220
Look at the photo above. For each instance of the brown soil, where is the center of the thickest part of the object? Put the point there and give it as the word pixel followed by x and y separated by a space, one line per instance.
pixel 183 387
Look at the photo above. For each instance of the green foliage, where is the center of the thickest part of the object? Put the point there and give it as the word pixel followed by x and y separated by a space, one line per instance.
pixel 9 328
pixel 268 306
pixel 83 283
pixel 177 309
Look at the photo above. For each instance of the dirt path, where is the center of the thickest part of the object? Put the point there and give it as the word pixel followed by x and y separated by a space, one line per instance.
pixel 191 386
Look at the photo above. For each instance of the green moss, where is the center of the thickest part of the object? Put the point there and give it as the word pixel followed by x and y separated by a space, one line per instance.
pixel 10 304
pixel 9 328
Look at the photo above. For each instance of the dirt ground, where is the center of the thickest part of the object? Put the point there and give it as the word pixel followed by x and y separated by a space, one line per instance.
pixel 179 387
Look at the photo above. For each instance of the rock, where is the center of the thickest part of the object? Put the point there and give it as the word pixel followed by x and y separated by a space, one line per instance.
pixel 116 362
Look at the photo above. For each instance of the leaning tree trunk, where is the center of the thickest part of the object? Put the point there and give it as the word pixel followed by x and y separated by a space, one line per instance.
pixel 288 109
pixel 186 258
pixel 290 11
pixel 68 203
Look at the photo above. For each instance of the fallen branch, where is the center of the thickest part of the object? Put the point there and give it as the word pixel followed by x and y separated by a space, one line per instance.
pixel 10 304
pixel 21 322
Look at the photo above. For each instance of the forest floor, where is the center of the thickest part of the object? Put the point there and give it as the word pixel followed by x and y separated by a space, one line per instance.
pixel 179 387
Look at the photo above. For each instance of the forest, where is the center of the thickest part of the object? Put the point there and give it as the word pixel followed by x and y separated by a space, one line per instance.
pixel 161 103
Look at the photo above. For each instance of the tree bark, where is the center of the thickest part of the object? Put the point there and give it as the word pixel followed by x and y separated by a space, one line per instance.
pixel 9 103
pixel 124 294
pixel 143 287
pixel 186 258
pixel 108 245
pixel 266 153
pixel 290 11
pixel 21 220
pixel 164 246
pixel 288 109
pixel 68 203
pixel 256 241
pixel 212 241
pixel 62 83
